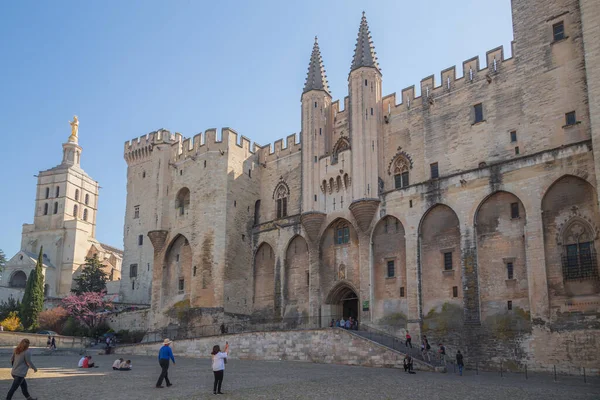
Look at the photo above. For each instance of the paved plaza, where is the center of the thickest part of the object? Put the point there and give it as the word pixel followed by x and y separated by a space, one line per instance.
pixel 59 378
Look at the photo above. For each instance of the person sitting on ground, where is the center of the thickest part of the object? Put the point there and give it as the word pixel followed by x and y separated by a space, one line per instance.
pixel 408 363
pixel 80 364
pixel 125 366
pixel 117 364
pixel 87 363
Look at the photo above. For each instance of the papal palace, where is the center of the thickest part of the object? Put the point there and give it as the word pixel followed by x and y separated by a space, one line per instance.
pixel 468 213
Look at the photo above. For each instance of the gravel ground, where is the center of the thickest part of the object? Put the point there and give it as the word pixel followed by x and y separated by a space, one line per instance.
pixel 59 378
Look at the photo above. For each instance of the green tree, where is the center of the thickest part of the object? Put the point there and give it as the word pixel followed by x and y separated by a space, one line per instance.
pixel 33 298
pixel 6 307
pixel 92 277
pixel 2 260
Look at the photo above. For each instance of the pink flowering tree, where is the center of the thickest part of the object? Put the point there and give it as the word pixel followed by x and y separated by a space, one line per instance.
pixel 88 308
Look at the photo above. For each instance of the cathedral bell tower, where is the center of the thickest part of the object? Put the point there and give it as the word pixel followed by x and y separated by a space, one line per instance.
pixel 364 88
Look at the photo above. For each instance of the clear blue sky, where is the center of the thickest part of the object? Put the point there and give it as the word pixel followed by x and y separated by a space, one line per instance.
pixel 128 67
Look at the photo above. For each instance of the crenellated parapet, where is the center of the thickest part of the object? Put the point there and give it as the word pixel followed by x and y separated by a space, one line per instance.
pixel 212 140
pixel 279 149
pixel 140 148
pixel 472 72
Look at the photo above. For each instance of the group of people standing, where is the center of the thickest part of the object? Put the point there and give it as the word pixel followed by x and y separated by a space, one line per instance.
pixel 350 323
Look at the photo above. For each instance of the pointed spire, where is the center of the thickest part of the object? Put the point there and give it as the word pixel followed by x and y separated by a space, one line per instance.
pixel 364 54
pixel 316 78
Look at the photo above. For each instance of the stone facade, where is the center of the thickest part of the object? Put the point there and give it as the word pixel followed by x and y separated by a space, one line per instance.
pixel 64 225
pixel 469 212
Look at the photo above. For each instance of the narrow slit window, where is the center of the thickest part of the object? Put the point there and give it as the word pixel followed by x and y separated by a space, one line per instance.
pixel 454 291
pixel 435 172
pixel 509 305
pixel 514 210
pixel 402 291
pixel 391 269
pixel 140 240
pixel 478 109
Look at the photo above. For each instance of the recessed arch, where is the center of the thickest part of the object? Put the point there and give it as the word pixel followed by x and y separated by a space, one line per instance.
pixel 343 300
pixel 177 270
pixel 389 270
pixel 500 221
pixel 182 200
pixel 296 277
pixel 440 261
pixel 18 279
pixel 569 212
pixel 264 280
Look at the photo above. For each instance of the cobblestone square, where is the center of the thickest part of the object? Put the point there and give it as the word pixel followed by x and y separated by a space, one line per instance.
pixel 59 378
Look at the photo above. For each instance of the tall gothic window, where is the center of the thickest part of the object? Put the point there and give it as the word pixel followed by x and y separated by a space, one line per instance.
pixel 76 194
pixel 47 192
pixel 87 199
pixel 399 168
pixel 57 191
pixel 55 207
pixel 579 257
pixel 85 214
pixel 281 195
pixel 46 209
pixel 75 210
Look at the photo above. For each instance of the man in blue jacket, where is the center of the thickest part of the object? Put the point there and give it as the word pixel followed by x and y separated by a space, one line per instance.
pixel 164 355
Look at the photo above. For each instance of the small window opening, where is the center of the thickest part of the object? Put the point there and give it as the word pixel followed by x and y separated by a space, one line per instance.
pixel 181 284
pixel 315 158
pixel 454 291
pixel 140 240
pixel 448 261
pixel 46 209
pixel 435 173
pixel 204 163
pixel 195 270
pixel 517 151
pixel 558 31
pixel 478 108
pixel 133 270
pixel 57 191
pixel 47 192
pixel 513 136
pixel 136 212
pixel 85 214
pixel 366 83
pixel 371 110
pixel 307 279
pixel 402 291
pixel 570 118
pixel 177 258
pixel 133 285
pixel 143 174
pixel 510 270
pixel 410 203
pixel 514 210
pixel 180 172
pixel 509 305
pixel 55 207
pixel 87 199
pixel 315 104
pixel 391 270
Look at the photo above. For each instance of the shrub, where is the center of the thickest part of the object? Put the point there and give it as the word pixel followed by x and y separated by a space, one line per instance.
pixel 72 328
pixel 12 322
pixel 6 307
pixel 53 319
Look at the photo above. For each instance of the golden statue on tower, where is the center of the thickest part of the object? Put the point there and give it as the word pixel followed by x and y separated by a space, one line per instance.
pixel 74 129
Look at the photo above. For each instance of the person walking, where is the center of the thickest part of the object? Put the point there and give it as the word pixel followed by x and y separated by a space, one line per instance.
pixel 21 362
pixel 49 343
pixel 219 359
pixel 53 343
pixel 425 347
pixel 459 362
pixel 442 353
pixel 408 340
pixel 164 355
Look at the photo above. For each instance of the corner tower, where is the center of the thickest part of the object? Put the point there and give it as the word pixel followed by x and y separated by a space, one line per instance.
pixel 364 88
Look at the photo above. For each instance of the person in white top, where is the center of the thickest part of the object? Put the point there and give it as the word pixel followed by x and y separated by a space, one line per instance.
pixel 80 365
pixel 219 359
pixel 117 363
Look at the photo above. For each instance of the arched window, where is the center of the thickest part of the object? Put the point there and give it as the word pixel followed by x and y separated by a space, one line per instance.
pixel 342 233
pixel 47 192
pixel 346 181
pixel 87 199
pixel 46 209
pixel 85 214
pixel 55 207
pixel 76 194
pixel 338 183
pixel 579 255
pixel 57 191
pixel 18 280
pixel 75 210
pixel 182 202
pixel 341 145
pixel 256 212
pixel 399 167
pixel 281 194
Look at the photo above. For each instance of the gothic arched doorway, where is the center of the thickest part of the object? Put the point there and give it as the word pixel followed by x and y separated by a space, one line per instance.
pixel 343 301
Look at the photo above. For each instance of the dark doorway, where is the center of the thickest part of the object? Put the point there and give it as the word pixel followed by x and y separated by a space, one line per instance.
pixel 350 305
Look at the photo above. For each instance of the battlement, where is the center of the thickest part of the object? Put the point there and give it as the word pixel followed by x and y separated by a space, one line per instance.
pixel 471 72
pixel 141 147
pixel 269 153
